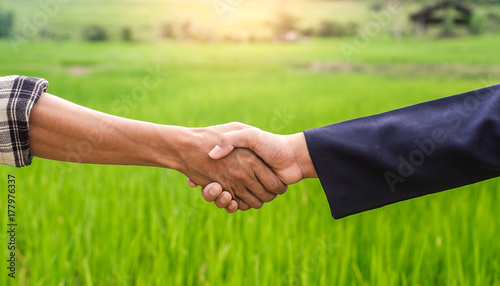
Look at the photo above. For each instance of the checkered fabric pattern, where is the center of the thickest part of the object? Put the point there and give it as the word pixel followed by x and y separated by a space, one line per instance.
pixel 18 95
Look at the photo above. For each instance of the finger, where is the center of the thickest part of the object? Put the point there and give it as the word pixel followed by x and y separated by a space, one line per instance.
pixel 253 166
pixel 249 198
pixel 242 206
pixel 260 191
pixel 269 180
pixel 223 200
pixel 232 207
pixel 246 138
pixel 233 126
pixel 211 192
pixel 192 184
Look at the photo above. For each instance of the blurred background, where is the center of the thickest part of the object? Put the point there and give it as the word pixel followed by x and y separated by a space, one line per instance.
pixel 283 66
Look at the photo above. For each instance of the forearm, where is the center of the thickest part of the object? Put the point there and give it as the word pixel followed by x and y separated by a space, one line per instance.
pixel 63 131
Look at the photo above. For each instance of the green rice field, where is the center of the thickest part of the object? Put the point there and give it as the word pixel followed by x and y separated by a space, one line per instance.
pixel 123 225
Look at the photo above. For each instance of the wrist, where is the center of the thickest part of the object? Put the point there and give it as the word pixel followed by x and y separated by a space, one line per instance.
pixel 171 143
pixel 303 158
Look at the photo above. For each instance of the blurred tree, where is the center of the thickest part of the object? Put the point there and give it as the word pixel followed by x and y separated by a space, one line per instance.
pixel 492 21
pixel 383 6
pixel 126 34
pixel 95 33
pixel 186 30
pixel 6 23
pixel 330 28
pixel 477 23
pixel 397 29
pixel 167 31
pixel 449 23
pixel 377 5
pixel 284 23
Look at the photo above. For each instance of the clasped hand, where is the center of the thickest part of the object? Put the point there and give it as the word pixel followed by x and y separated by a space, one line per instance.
pixel 245 167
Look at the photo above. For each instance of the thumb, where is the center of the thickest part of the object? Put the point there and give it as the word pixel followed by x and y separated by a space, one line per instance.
pixel 245 138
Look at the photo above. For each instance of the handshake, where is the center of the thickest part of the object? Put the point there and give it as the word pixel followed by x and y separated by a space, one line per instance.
pixel 242 167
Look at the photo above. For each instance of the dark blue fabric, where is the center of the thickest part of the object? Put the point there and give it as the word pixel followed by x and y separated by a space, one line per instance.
pixel 434 146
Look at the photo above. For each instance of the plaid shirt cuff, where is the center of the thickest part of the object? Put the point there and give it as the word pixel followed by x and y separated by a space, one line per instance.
pixel 18 95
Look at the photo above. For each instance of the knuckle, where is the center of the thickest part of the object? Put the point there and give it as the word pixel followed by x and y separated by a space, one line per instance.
pixel 234 124
pixel 249 160
pixel 280 188
pixel 237 125
pixel 258 205
pixel 224 139
pixel 242 205
pixel 285 188
pixel 239 174
pixel 276 186
pixel 233 190
pixel 269 198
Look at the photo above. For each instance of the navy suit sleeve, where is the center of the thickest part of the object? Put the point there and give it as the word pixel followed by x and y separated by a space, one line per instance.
pixel 430 147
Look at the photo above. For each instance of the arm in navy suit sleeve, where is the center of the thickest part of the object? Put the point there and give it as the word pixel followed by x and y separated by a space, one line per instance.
pixel 430 147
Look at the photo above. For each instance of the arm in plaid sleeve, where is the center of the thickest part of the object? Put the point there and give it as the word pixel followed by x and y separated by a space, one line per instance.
pixel 18 95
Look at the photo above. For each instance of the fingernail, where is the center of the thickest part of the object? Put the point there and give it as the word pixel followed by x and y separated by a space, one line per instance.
pixel 214 151
pixel 225 199
pixel 213 191
pixel 234 205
